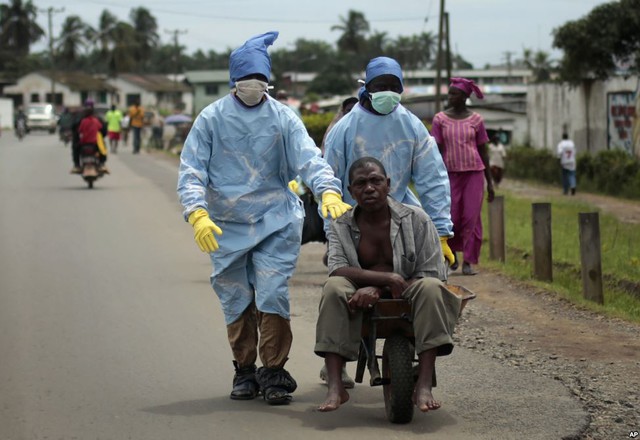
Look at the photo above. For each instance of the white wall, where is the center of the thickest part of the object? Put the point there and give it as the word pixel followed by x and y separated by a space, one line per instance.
pixel 555 108
pixel 41 85
pixel 6 113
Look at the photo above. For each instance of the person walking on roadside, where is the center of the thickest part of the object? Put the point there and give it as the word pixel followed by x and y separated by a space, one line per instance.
pixel 136 122
pixel 462 140
pixel 237 160
pixel 114 120
pixel 497 154
pixel 567 155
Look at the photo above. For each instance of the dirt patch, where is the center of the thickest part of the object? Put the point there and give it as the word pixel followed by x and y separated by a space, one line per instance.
pixel 541 321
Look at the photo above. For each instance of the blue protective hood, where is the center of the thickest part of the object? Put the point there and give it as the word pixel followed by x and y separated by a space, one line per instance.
pixel 383 66
pixel 252 57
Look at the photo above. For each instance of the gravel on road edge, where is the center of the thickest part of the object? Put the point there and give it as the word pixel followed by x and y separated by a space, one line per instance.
pixel 607 388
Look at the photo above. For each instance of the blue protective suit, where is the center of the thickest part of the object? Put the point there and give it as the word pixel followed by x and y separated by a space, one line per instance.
pixel 406 149
pixel 236 164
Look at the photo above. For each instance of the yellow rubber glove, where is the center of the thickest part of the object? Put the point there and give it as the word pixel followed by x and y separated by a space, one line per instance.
pixel 204 229
pixel 332 204
pixel 446 250
pixel 293 186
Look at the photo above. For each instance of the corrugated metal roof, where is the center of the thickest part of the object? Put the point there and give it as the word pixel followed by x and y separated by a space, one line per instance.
pixel 206 76
pixel 154 82
pixel 80 81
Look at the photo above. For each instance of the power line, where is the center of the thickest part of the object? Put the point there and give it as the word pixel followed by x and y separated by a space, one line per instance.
pixel 50 11
pixel 176 46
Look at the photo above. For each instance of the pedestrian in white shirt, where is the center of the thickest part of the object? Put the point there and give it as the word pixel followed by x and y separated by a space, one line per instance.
pixel 567 155
pixel 497 153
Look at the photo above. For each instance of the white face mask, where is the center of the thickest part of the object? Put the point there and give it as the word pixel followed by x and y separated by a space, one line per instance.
pixel 251 91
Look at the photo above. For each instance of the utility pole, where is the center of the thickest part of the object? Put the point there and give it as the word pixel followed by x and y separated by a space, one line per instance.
pixel 507 56
pixel 439 56
pixel 176 60
pixel 446 22
pixel 50 11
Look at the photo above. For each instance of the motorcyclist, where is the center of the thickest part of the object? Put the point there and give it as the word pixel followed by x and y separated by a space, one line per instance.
pixel 20 116
pixel 85 130
pixel 65 123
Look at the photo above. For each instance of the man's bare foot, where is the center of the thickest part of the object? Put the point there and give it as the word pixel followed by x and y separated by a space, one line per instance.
pixel 424 400
pixel 334 400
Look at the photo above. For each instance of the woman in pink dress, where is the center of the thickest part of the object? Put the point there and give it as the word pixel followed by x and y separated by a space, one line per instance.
pixel 462 140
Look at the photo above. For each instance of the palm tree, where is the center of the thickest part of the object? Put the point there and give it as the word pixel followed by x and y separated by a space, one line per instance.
pixel 106 24
pixel 123 56
pixel 354 29
pixel 74 37
pixel 539 63
pixel 18 27
pixel 146 33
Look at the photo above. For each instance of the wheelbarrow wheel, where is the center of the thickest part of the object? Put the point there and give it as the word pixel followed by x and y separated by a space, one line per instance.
pixel 397 369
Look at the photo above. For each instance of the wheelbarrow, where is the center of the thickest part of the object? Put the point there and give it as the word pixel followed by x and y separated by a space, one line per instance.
pixel 390 319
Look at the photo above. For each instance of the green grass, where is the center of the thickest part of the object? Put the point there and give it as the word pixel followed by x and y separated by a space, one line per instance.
pixel 619 247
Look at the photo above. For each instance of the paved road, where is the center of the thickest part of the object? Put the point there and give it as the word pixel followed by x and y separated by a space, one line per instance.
pixel 109 328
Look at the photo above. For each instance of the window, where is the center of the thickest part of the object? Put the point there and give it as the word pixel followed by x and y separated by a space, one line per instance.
pixel 133 97
pixel 211 89
pixel 35 97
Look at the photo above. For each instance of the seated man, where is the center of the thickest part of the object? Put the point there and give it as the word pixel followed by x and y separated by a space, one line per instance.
pixel 383 248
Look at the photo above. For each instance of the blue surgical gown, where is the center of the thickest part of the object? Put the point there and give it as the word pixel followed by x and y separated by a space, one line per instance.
pixel 406 149
pixel 236 164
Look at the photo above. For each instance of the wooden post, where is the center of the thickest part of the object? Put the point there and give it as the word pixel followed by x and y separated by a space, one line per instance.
pixel 497 246
pixel 542 259
pixel 590 256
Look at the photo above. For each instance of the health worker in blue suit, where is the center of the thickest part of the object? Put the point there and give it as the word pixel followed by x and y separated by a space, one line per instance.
pixel 380 127
pixel 240 154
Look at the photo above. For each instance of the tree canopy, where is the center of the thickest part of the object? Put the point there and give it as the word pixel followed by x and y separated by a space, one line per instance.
pixel 115 46
pixel 601 43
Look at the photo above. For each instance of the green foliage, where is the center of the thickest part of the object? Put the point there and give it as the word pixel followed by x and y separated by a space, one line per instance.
pixel 610 171
pixel 317 125
pixel 533 164
pixel 595 44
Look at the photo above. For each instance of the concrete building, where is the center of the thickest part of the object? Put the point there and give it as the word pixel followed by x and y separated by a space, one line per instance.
pixel 153 91
pixel 598 117
pixel 70 88
pixel 207 86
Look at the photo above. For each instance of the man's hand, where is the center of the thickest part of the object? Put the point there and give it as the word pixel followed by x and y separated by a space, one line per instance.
pixel 332 204
pixel 396 284
pixel 364 298
pixel 204 229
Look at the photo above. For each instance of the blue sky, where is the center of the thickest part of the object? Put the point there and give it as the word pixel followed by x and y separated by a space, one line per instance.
pixel 482 31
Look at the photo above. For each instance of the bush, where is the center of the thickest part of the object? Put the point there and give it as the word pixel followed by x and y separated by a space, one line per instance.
pixel 317 125
pixel 611 172
pixel 534 164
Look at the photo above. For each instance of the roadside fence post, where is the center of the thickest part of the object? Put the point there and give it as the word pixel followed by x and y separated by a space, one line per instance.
pixel 590 256
pixel 542 258
pixel 497 246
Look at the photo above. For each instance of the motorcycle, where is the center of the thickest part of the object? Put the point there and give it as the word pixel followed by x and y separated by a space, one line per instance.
pixel 21 128
pixel 91 169
pixel 66 136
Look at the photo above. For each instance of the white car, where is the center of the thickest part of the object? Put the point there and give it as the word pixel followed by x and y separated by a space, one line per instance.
pixel 41 116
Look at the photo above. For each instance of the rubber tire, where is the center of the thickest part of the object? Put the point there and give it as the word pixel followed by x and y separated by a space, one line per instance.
pixel 397 366
pixel 90 183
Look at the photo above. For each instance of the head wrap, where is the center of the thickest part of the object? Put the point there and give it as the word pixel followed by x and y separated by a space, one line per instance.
pixel 383 66
pixel 252 57
pixel 467 86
